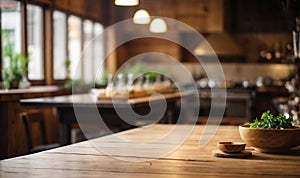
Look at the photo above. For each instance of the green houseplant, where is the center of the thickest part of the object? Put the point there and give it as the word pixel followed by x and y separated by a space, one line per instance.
pixel 17 68
pixel 15 65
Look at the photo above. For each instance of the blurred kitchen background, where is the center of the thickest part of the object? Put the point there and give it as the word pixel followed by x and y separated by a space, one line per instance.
pixel 251 38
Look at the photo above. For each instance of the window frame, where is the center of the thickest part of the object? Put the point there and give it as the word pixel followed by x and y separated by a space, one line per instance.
pixel 47 26
pixel 61 81
pixel 25 37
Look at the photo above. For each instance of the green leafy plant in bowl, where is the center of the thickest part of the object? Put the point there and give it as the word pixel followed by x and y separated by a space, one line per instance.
pixel 267 120
pixel 272 134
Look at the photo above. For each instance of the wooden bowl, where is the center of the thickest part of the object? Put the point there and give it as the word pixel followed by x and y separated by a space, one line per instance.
pixel 270 140
pixel 231 147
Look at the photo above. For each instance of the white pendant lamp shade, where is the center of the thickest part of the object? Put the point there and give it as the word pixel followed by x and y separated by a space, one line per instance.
pixel 141 17
pixel 158 25
pixel 126 2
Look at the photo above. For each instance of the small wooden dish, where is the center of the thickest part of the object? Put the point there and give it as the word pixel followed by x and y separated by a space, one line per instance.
pixel 231 147
pixel 242 154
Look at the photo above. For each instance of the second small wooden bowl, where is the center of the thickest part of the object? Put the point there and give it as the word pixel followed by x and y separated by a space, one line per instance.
pixel 231 147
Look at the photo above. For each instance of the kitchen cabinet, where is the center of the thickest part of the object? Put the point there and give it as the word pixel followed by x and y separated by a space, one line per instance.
pixel 262 16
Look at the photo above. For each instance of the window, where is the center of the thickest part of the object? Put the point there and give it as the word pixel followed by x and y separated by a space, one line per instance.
pixel 85 48
pixel 35 42
pixel 11 27
pixel 98 53
pixel 74 45
pixel 74 38
pixel 88 51
pixel 93 52
pixel 59 45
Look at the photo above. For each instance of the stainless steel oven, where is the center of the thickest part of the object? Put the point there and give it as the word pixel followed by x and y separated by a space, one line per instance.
pixel 239 102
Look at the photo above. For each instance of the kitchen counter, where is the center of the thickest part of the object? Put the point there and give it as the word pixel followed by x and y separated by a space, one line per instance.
pixel 34 91
pixel 272 89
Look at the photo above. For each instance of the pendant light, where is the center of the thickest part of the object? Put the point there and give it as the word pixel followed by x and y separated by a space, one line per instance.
pixel 126 2
pixel 141 16
pixel 158 25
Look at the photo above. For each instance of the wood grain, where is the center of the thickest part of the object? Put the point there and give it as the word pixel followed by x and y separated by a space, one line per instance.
pixel 189 160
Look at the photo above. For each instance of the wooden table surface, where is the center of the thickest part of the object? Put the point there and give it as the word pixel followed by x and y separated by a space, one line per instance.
pixel 189 160
pixel 83 108
pixel 87 100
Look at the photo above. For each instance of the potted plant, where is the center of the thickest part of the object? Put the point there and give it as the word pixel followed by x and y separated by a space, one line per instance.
pixel 15 65
pixel 17 68
pixel 67 65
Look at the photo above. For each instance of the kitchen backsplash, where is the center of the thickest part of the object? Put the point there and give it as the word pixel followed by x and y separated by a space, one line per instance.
pixel 233 71
pixel 247 71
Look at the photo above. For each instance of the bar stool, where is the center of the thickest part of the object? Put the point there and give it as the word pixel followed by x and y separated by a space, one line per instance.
pixel 29 119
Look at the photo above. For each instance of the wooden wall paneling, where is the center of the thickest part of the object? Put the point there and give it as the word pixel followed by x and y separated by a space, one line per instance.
pixel 41 2
pixel 193 13
pixel 203 15
pixel 62 4
pixel 98 10
pixel 199 23
pixel 215 16
pixel 93 9
pixel 145 45
pixel 122 55
pixel 206 16
pixel 78 6
pixel 121 13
